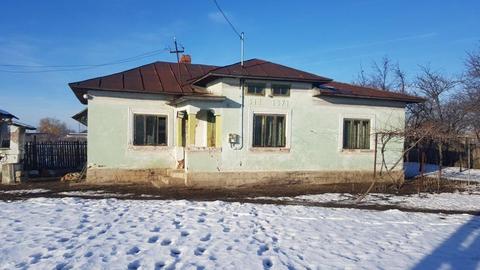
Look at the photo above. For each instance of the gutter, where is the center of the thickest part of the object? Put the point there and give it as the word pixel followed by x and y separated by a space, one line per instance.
pixel 406 100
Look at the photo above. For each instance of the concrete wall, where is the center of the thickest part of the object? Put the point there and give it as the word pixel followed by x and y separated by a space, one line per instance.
pixel 314 132
pixel 110 131
pixel 11 157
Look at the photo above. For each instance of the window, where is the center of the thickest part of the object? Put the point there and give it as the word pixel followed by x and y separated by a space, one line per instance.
pixel 256 89
pixel 4 135
pixel 150 130
pixel 356 134
pixel 211 126
pixel 280 90
pixel 268 130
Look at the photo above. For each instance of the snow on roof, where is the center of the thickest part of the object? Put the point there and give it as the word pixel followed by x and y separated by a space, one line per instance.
pixel 5 114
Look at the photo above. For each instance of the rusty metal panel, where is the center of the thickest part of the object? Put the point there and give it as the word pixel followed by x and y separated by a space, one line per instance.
pixel 114 81
pixel 168 79
pixel 345 89
pixel 151 80
pixel 133 80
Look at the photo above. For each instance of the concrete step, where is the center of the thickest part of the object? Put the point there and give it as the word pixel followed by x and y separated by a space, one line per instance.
pixel 176 173
pixel 167 181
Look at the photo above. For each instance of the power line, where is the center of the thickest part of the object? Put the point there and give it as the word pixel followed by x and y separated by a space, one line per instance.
pixel 240 35
pixel 54 68
pixel 226 18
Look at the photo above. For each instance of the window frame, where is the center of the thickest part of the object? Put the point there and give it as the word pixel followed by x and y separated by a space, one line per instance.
pixel 247 87
pixel 285 130
pixel 367 137
pixel 280 85
pixel 8 136
pixel 156 115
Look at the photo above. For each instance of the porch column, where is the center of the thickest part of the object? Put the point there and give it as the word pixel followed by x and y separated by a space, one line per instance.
pixel 218 130
pixel 191 125
pixel 179 129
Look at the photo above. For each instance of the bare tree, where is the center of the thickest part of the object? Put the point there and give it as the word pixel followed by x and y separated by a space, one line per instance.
pixel 438 89
pixel 441 109
pixel 53 127
pixel 384 75
pixel 471 97
pixel 385 137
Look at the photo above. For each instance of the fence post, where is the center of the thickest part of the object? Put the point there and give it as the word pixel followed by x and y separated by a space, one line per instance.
pixel 34 151
pixel 468 154
pixel 375 157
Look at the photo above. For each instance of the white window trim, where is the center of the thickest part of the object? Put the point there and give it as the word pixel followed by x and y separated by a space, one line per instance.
pixel 288 125
pixel 130 129
pixel 370 117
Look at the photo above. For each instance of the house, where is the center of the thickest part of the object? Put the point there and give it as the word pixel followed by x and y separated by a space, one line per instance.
pixel 235 125
pixel 46 137
pixel 12 139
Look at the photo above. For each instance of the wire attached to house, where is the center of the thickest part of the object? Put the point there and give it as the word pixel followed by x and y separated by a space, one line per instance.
pixel 226 19
pixel 240 35
pixel 55 68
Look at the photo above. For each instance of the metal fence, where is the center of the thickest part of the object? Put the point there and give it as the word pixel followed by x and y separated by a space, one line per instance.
pixel 61 155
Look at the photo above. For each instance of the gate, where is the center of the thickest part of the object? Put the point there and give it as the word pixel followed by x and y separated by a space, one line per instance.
pixel 61 155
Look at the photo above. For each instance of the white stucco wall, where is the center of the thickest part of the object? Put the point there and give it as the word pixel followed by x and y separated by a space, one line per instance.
pixel 110 131
pixel 14 153
pixel 314 131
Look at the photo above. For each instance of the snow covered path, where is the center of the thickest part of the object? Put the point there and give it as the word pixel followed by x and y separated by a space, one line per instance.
pixel 46 233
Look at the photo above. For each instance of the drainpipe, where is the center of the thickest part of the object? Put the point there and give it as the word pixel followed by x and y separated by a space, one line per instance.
pixel 242 82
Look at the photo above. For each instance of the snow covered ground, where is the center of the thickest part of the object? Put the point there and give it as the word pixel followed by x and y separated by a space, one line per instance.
pixel 443 201
pixel 48 233
pixel 94 193
pixel 24 191
pixel 431 170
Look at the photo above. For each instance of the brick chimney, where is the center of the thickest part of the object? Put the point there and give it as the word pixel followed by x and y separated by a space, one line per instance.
pixel 186 58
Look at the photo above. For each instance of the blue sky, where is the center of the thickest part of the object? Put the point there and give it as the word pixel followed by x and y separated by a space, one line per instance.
pixel 329 38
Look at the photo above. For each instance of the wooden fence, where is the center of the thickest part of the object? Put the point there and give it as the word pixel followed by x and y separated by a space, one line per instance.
pixel 454 154
pixel 62 155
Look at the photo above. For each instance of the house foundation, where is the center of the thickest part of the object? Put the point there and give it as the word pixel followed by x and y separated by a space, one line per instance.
pixel 176 178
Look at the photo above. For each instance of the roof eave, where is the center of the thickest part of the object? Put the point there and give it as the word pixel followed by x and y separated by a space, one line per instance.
pixel 202 98
pixel 199 81
pixel 80 91
pixel 25 126
pixel 405 100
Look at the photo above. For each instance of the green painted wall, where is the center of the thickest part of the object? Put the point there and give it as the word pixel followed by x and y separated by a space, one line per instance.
pixel 314 131
pixel 110 133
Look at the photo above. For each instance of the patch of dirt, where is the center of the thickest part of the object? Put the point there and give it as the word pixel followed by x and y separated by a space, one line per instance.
pixel 241 194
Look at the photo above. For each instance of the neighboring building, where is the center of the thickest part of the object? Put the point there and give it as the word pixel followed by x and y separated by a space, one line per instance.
pixel 12 142
pixel 260 123
pixel 45 137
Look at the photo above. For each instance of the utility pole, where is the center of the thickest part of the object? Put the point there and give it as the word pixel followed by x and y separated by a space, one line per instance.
pixel 177 51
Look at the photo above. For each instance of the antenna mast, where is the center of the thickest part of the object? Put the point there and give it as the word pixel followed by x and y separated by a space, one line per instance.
pixel 240 35
pixel 242 48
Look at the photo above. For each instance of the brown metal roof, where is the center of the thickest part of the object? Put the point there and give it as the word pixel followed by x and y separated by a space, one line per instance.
pixel 182 79
pixel 339 89
pixel 260 69
pixel 154 78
